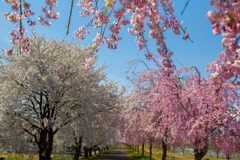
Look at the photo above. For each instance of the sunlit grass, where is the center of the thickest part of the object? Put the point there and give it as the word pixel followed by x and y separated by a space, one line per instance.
pixel 32 157
pixel 134 155
pixel 156 155
pixel 10 156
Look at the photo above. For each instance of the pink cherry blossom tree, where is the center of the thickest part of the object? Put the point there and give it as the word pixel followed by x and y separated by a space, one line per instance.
pixel 192 110
pixel 209 111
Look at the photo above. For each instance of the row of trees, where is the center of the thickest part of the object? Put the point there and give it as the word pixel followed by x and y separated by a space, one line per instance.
pixel 170 109
pixel 55 95
pixel 179 108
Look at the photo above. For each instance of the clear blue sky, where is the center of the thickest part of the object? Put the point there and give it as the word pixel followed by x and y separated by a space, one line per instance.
pixel 204 50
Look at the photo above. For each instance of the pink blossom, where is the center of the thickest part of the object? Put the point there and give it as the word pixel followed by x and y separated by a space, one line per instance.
pixel 44 21
pixel 81 32
pixel 51 3
pixel 50 13
pixel 13 17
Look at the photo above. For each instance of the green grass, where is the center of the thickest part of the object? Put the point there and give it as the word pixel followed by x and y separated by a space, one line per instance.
pixel 33 157
pixel 156 155
pixel 55 157
pixel 134 154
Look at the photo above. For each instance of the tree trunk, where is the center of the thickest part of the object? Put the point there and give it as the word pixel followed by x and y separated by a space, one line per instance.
pixel 164 150
pixel 90 152
pixel 217 154
pixel 143 149
pixel 150 151
pixel 45 144
pixel 85 152
pixel 228 157
pixel 138 148
pixel 77 148
pixel 200 153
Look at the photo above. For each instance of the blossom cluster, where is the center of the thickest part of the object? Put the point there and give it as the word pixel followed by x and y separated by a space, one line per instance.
pixel 135 14
pixel 226 21
pixel 21 12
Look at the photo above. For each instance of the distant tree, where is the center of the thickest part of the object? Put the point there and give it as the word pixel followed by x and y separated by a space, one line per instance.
pixel 97 124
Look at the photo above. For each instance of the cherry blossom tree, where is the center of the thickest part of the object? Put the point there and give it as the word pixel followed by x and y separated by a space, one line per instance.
pixel 41 88
pixel 98 126
pixel 159 104
pixel 133 132
pixel 183 107
pixel 211 111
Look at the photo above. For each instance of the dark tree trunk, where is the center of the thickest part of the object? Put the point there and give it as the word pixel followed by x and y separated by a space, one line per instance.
pixel 95 151
pixel 85 152
pixel 217 154
pixel 150 151
pixel 45 144
pixel 200 153
pixel 77 148
pixel 138 148
pixel 143 149
pixel 228 157
pixel 164 150
pixel 90 152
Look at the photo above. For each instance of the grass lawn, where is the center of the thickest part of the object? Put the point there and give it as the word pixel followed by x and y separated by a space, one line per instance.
pixel 134 155
pixel 157 155
pixel 34 157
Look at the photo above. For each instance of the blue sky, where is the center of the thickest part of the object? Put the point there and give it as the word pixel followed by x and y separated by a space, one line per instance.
pixel 204 50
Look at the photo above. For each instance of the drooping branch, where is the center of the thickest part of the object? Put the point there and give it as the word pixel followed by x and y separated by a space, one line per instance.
pixel 185 7
pixel 70 17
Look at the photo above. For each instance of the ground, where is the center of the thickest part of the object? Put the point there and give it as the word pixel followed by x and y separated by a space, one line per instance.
pixel 119 152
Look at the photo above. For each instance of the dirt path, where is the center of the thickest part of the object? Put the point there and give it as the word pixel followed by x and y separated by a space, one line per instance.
pixel 117 153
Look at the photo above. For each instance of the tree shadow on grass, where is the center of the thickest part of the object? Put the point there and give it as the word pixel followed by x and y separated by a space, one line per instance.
pixel 139 158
